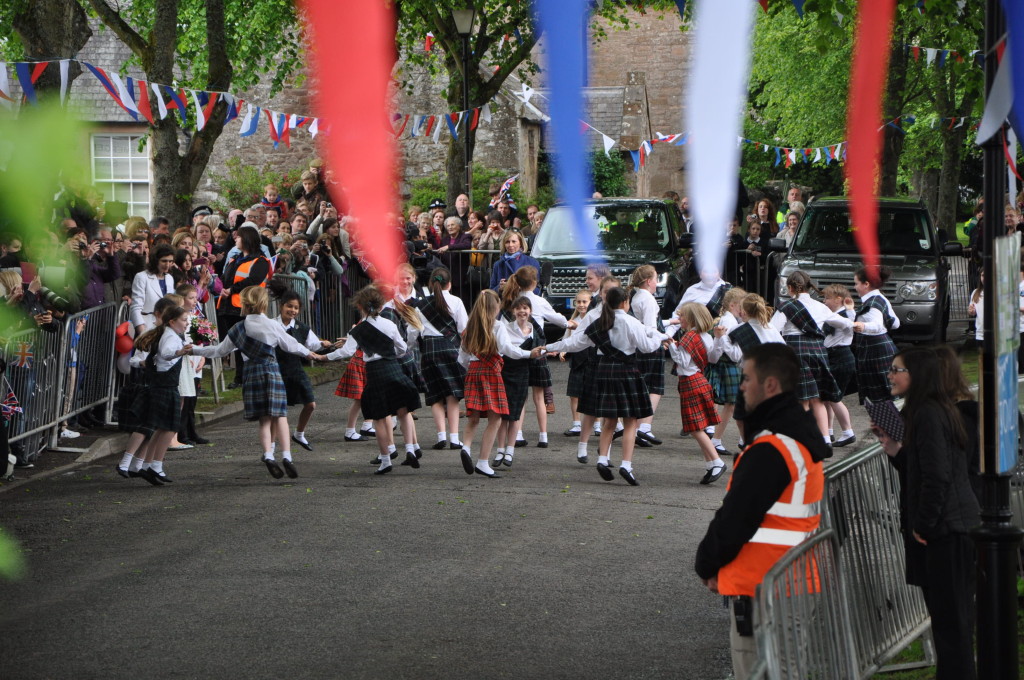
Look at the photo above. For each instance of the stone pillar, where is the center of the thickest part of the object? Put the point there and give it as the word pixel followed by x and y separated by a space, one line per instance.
pixel 636 125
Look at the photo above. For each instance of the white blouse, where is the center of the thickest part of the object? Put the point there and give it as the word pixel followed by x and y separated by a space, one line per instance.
pixel 645 308
pixel 765 334
pixel 699 292
pixel 627 335
pixel 258 327
pixel 385 326
pixel 818 311
pixel 842 336
pixel 457 310
pixel 874 323
pixel 544 312
pixel 170 342
pixel 728 322
pixel 685 365
pixel 506 347
pixel 311 342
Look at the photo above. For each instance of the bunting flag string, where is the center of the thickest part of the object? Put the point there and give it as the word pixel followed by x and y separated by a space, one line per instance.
pixel 941 55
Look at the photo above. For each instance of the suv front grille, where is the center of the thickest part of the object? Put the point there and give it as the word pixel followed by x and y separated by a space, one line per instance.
pixel 889 290
pixel 568 282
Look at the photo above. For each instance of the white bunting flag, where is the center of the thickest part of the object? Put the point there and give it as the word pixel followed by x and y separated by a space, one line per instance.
pixel 64 63
pixel 159 100
pixel 608 144
pixel 485 113
pixel 817 155
pixel 437 130
pixel 930 54
pixel 5 87
pixel 122 92
pixel 200 118
pixel 314 127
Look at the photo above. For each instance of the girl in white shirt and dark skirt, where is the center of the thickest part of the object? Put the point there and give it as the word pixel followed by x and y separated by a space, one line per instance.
pixel 615 388
pixel 393 392
pixel 644 306
pixel 872 345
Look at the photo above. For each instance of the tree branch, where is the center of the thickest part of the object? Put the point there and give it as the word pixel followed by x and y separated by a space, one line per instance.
pixel 220 69
pixel 135 42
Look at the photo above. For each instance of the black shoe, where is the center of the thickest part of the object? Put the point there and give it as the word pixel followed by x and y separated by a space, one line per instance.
pixel 355 438
pixel 628 476
pixel 520 443
pixel 150 476
pixel 649 436
pixel 542 445
pixel 275 470
pixel 455 447
pixel 571 433
pixel 20 464
pixel 411 460
pixel 508 460
pixel 164 478
pixel 419 453
pixel 440 444
pixel 845 442
pixel 121 471
pixel 713 474
pixel 295 439
pixel 722 451
pixel 618 434
pixel 289 468
pixel 583 459
pixel 492 475
pixel 368 433
pixel 496 463
pixel 384 471
pixel 134 473
pixel 605 472
pixel 234 385
pixel 643 443
pixel 202 441
pixel 467 461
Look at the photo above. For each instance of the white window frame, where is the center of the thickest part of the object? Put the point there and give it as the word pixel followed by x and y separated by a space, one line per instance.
pixel 137 179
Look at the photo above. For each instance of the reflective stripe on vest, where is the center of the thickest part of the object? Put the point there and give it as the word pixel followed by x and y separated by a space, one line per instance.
pixel 793 517
pixel 241 274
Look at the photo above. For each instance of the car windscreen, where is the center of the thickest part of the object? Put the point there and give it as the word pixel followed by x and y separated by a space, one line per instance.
pixel 830 230
pixel 619 229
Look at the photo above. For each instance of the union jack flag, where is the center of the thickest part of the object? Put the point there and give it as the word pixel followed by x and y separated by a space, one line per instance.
pixel 506 185
pixel 10 405
pixel 24 355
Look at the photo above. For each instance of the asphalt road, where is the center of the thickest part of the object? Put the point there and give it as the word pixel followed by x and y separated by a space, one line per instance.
pixel 549 572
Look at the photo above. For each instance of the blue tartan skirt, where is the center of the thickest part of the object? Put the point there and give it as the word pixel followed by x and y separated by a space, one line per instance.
pixel 615 389
pixel 388 389
pixel 263 391
pixel 443 375
pixel 724 378
pixel 156 408
pixel 816 381
pixel 652 368
pixel 578 362
pixel 410 365
pixel 874 357
pixel 515 373
pixel 843 367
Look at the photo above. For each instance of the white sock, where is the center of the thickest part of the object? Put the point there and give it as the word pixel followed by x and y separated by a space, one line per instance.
pixel 519 436
pixel 847 434
pixel 645 427
pixel 542 437
pixel 273 448
pixel 442 436
pixel 301 436
pixel 136 464
pixel 618 427
pixel 828 440
pixel 597 428
pixel 368 425
pixel 453 438
pixel 268 455
pixel 391 449
pixel 286 455
pixel 602 460
pixel 709 464
pixel 717 462
pixel 468 450
pixel 126 460
pixel 385 462
pixel 509 451
pixel 830 432
pixel 157 466
pixel 350 432
pixel 576 425
pixel 626 465
pixel 716 442
pixel 410 448
pixel 581 449
pixel 484 466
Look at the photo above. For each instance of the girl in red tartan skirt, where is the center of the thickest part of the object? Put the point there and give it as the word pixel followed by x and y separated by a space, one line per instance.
pixel 350 386
pixel 615 387
pixel 696 401
pixel 485 341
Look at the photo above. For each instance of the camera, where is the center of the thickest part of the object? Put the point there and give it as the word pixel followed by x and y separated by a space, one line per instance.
pixel 104 244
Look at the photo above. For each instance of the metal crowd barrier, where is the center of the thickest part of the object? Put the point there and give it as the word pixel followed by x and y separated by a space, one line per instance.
pixel 87 358
pixel 36 378
pixel 117 378
pixel 752 273
pixel 962 282
pixel 804 626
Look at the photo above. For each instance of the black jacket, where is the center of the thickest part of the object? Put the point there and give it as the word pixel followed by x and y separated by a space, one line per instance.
pixel 758 482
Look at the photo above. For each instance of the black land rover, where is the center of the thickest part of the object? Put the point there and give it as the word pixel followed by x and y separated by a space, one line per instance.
pixel 631 232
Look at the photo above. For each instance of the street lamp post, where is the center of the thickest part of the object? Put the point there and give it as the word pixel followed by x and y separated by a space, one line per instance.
pixel 464 19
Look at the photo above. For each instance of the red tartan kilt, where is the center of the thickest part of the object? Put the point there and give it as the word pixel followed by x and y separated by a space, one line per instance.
pixel 485 389
pixel 353 380
pixel 696 403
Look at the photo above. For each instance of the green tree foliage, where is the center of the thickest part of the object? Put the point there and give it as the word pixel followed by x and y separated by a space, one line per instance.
pixel 242 184
pixel 609 173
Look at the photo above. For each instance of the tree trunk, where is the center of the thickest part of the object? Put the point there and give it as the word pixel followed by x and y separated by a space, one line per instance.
pixel 49 29
pixel 455 165
pixel 892 147
pixel 925 185
pixel 949 179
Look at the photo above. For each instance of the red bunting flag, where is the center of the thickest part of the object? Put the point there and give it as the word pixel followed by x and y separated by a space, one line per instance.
pixel 475 120
pixel 144 107
pixel 864 135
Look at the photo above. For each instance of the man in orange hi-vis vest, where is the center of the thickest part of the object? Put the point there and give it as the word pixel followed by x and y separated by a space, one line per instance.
pixel 774 495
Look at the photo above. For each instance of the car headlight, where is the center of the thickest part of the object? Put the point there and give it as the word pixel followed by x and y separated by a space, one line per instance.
pixel 919 290
pixel 783 288
pixel 663 280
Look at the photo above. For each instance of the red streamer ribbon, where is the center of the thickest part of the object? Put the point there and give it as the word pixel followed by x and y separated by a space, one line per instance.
pixel 361 147
pixel 863 133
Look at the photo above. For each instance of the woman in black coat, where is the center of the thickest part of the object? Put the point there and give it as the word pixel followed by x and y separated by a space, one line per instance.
pixel 939 507
pixel 453 252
